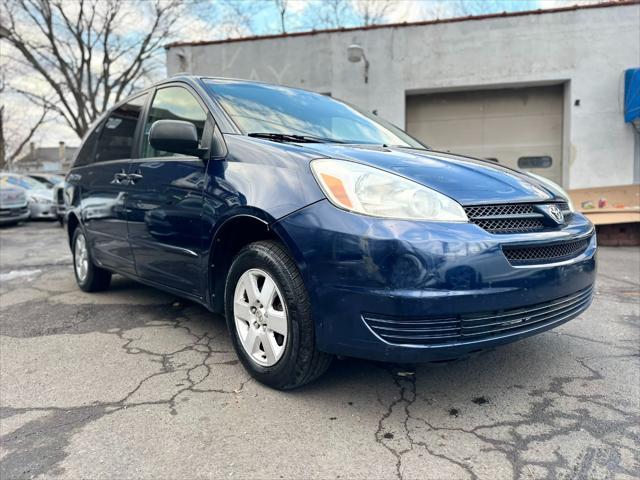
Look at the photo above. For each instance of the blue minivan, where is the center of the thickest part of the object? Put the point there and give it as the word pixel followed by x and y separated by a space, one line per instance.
pixel 319 229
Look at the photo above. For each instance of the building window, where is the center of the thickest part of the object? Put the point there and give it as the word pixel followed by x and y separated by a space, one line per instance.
pixel 542 161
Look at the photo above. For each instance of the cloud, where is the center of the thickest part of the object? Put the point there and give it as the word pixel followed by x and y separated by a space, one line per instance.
pixel 297 6
pixel 419 10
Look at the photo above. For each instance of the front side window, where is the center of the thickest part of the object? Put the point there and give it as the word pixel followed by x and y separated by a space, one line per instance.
pixel 118 131
pixel 271 109
pixel 173 103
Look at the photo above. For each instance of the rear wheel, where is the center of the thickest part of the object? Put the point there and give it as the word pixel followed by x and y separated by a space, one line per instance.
pixel 89 277
pixel 269 317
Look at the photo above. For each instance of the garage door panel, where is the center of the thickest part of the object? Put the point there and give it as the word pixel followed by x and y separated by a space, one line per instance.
pixel 533 102
pixel 447 132
pixel 505 124
pixel 534 130
pixel 445 108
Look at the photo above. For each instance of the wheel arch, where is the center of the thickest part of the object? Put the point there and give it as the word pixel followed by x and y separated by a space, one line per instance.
pixel 72 224
pixel 229 238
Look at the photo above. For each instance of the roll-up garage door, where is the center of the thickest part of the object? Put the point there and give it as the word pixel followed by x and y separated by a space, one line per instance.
pixel 519 128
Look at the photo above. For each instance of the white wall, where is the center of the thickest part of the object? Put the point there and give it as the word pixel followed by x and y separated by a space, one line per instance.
pixel 587 49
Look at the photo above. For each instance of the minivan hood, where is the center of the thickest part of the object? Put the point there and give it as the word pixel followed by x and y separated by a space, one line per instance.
pixel 467 180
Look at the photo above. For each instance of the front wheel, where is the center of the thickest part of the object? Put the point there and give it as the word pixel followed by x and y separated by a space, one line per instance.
pixel 89 277
pixel 269 317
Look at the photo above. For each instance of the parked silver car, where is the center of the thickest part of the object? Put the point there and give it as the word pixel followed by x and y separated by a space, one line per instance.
pixel 13 205
pixel 39 197
pixel 56 183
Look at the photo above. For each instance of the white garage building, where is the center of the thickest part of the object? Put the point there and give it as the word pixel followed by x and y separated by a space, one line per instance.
pixel 543 90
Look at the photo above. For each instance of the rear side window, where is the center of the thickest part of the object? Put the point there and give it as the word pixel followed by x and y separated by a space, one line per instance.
pixel 85 155
pixel 118 131
pixel 173 103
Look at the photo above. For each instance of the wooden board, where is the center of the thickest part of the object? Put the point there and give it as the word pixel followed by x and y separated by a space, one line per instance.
pixel 608 205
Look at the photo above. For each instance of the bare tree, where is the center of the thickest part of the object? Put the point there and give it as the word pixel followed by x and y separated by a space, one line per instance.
pixel 372 12
pixel 356 13
pixel 16 131
pixel 238 16
pixel 13 141
pixel 81 52
pixel 282 6
pixel 332 14
pixel 350 13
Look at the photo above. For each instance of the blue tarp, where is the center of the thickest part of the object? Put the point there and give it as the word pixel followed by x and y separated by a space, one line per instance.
pixel 632 95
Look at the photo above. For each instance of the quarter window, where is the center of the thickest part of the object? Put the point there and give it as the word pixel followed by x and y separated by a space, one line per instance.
pixel 85 155
pixel 118 131
pixel 173 103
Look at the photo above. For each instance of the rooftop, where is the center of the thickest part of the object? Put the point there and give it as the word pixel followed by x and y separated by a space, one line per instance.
pixel 614 3
pixel 47 154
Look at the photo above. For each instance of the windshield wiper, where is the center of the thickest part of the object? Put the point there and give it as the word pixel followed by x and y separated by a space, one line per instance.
pixel 423 147
pixel 287 137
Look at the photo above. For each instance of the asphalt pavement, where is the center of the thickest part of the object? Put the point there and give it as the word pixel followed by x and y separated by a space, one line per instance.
pixel 137 383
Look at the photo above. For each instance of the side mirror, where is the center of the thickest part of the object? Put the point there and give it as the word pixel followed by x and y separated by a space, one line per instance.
pixel 175 136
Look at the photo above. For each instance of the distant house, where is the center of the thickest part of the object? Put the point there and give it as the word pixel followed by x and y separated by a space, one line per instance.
pixel 46 159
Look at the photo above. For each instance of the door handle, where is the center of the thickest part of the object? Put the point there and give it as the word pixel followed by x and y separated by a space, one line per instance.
pixel 134 177
pixel 120 177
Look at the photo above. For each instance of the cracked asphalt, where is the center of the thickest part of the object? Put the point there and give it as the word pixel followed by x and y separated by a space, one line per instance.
pixel 135 383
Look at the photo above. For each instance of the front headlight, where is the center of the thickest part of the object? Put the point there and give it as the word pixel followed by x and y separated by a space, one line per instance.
pixel 371 191
pixel 41 200
pixel 555 188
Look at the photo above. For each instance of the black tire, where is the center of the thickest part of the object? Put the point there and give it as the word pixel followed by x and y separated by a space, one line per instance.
pixel 301 361
pixel 96 279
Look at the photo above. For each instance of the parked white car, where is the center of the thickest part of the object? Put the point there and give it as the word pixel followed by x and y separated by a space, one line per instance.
pixel 39 197
pixel 50 180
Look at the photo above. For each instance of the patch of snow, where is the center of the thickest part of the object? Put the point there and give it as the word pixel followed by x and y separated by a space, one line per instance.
pixel 13 274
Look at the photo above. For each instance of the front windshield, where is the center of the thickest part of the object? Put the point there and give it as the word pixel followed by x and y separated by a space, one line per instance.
pixel 53 179
pixel 22 182
pixel 269 109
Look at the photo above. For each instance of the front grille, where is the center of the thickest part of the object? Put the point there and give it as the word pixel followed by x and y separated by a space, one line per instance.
pixel 510 218
pixel 499 210
pixel 532 255
pixel 467 328
pixel 13 212
pixel 513 225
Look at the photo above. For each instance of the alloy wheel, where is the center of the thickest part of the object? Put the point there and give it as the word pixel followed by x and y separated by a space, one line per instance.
pixel 260 316
pixel 81 257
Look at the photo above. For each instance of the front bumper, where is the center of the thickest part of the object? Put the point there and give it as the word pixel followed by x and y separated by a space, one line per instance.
pixel 13 214
pixel 43 210
pixel 424 274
